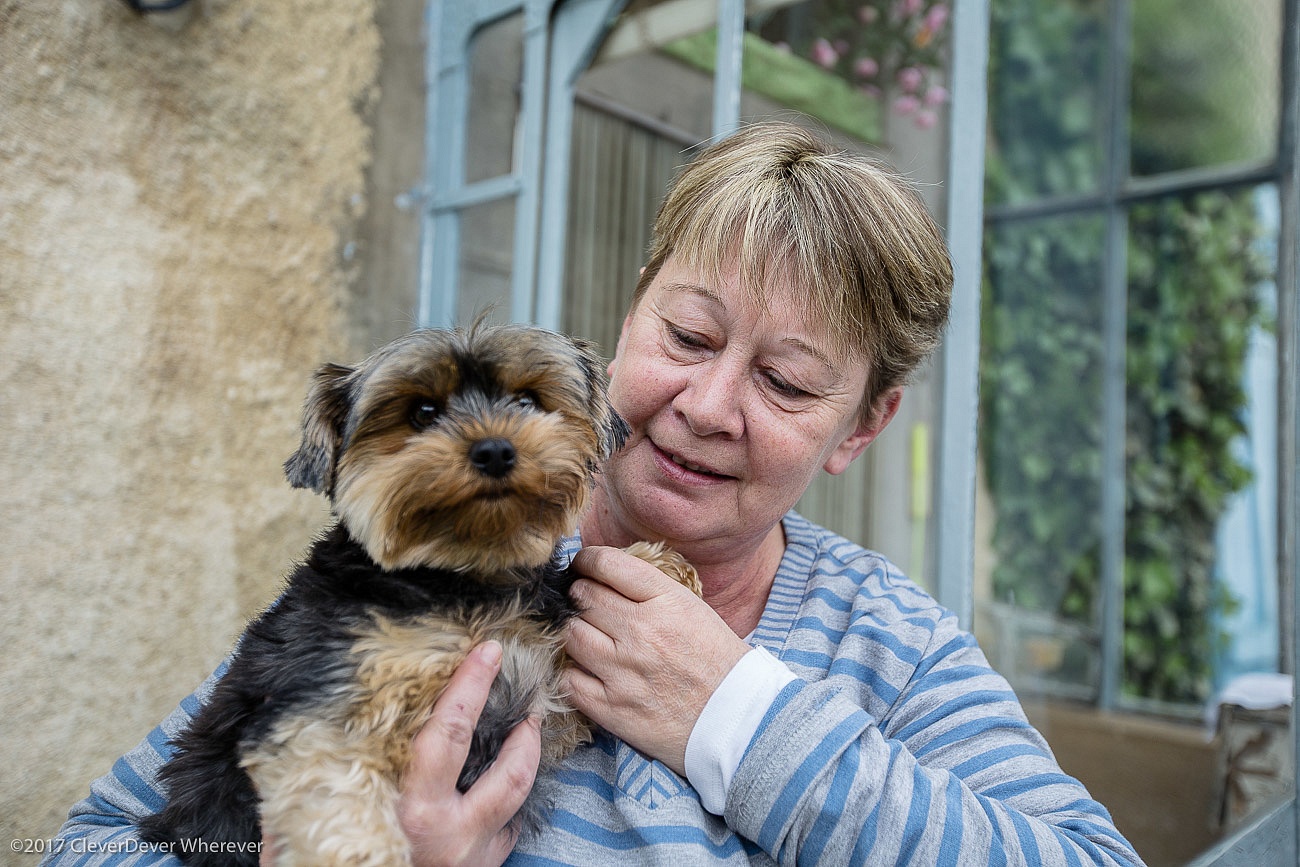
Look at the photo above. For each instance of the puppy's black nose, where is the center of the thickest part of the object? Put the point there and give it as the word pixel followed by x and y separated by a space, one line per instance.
pixel 494 456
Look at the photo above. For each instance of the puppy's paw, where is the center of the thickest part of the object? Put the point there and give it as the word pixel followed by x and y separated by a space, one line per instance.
pixel 669 562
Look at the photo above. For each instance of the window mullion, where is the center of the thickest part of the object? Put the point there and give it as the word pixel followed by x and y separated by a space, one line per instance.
pixel 1288 286
pixel 959 398
pixel 448 82
pixel 1115 340
pixel 728 67
pixel 579 27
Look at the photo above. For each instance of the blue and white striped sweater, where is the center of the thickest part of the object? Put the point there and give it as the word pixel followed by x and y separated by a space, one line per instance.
pixel 895 744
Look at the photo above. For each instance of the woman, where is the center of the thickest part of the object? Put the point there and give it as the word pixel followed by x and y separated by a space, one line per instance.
pixel 815 706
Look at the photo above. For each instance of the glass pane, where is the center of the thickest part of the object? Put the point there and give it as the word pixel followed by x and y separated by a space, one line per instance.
pixel 486 261
pixel 1046 111
pixel 1200 527
pixel 1201 601
pixel 1205 83
pixel 1040 437
pixel 496 62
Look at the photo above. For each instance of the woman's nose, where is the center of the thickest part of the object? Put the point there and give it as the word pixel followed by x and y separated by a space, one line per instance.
pixel 712 399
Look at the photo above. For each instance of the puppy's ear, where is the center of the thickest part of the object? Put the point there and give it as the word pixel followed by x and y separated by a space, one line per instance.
pixel 324 417
pixel 613 429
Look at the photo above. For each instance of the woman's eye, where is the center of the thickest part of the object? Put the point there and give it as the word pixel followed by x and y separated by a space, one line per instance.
pixel 423 414
pixel 685 338
pixel 785 388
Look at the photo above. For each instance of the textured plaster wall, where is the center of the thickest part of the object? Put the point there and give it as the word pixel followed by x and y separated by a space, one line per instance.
pixel 180 209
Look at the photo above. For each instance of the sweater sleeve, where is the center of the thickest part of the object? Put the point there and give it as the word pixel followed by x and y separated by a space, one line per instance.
pixel 954 774
pixel 102 828
pixel 726 726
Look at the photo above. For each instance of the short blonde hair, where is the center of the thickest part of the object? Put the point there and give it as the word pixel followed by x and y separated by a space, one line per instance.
pixel 851 234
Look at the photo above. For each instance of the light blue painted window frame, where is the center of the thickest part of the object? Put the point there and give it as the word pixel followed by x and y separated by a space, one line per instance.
pixel 568 39
pixel 568 33
pixel 451 27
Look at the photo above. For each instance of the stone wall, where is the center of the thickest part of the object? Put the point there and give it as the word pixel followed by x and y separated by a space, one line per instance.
pixel 196 209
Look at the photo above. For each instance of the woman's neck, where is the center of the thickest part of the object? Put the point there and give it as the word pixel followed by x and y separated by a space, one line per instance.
pixel 737 586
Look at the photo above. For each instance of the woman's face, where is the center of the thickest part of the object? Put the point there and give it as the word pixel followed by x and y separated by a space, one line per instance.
pixel 733 410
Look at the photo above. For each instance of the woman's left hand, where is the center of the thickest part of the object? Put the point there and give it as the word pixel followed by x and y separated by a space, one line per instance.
pixel 648 653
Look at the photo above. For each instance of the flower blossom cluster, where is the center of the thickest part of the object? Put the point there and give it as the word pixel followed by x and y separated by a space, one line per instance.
pixel 893 47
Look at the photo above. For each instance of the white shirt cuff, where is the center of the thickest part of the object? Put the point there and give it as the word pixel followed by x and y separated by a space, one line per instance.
pixel 723 732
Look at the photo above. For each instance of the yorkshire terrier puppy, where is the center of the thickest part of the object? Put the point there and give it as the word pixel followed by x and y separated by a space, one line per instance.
pixel 455 463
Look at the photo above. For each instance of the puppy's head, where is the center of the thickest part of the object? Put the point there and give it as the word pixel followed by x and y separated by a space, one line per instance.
pixel 467 450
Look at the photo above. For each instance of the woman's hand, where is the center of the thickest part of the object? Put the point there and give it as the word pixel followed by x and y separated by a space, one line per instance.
pixel 445 826
pixel 648 653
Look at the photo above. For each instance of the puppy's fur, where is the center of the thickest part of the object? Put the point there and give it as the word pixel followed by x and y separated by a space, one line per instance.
pixel 455 462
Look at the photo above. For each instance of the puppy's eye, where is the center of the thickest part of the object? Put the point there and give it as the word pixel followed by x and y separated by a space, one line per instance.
pixel 527 400
pixel 423 414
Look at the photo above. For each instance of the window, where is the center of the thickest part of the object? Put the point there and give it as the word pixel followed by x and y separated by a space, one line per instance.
pixel 1134 343
pixel 1130 389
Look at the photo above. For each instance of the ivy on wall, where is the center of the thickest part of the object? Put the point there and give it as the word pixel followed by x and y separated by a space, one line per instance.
pixel 1193 278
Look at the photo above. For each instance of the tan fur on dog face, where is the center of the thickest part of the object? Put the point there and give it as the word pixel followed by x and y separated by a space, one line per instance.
pixel 409 493
pixel 414 499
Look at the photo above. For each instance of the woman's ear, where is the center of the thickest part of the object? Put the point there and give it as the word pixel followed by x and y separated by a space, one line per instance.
pixel 866 430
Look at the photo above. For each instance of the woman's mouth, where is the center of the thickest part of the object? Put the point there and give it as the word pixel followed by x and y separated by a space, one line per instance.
pixel 696 469
pixel 690 466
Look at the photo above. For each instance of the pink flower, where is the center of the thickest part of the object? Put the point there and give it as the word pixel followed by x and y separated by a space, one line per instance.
pixel 910 78
pixel 936 17
pixel 823 53
pixel 907 8
pixel 866 67
pixel 870 90
pixel 924 119
pixel 936 95
pixel 906 104
pixel 868 14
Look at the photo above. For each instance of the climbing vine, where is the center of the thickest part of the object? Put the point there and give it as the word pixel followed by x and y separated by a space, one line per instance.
pixel 1194 273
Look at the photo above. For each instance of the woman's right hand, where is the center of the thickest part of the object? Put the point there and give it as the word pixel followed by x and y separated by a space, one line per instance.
pixel 445 826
